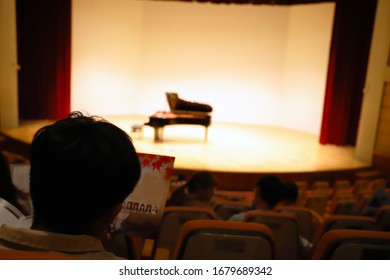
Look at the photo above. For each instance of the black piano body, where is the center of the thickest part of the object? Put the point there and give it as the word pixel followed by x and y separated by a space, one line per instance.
pixel 162 118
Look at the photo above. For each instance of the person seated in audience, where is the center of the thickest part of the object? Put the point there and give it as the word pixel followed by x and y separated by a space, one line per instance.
pixel 9 191
pixel 82 168
pixel 197 192
pixel 268 193
pixel 290 194
pixel 378 198
pixel 290 198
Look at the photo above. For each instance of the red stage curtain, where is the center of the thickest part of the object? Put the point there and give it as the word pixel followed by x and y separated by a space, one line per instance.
pixel 43 28
pixel 349 53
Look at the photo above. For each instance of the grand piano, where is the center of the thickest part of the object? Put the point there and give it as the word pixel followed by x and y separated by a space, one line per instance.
pixel 163 118
pixel 182 112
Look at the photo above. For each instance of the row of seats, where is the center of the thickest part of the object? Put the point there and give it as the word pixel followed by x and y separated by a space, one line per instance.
pixel 323 197
pixel 218 240
pixel 200 233
pixel 288 224
pixel 284 224
pixel 341 198
pixel 196 234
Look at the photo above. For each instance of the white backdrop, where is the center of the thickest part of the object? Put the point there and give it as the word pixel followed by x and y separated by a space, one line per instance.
pixel 254 64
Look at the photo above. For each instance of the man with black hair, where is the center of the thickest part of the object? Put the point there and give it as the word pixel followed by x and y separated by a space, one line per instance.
pixel 291 193
pixel 268 193
pixel 82 168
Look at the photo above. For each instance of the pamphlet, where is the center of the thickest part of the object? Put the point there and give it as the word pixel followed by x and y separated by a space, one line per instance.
pixel 142 210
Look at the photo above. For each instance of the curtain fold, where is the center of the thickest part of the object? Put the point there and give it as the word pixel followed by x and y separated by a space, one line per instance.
pixel 350 47
pixel 43 28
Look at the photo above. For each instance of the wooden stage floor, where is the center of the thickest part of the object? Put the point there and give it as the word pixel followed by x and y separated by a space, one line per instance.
pixel 230 148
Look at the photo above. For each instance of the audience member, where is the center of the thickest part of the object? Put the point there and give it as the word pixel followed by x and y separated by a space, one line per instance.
pixel 82 168
pixel 290 194
pixel 268 193
pixel 378 198
pixel 9 191
pixel 198 191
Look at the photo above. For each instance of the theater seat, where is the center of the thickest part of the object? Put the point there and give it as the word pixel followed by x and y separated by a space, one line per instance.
pixel 173 219
pixel 224 240
pixel 317 200
pixel 225 210
pixel 285 230
pixel 349 244
pixel 308 220
pixel 346 222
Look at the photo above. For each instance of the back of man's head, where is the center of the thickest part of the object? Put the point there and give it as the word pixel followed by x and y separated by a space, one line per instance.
pixel 201 180
pixel 81 168
pixel 291 193
pixel 270 189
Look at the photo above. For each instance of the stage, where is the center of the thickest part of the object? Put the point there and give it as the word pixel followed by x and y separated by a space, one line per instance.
pixel 231 149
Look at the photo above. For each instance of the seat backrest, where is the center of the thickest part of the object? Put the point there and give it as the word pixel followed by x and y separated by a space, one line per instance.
pixel 341 184
pixel 348 244
pixel 7 254
pixel 359 185
pixel 302 185
pixel 320 185
pixel 224 240
pixel 225 210
pixel 302 192
pixel 346 222
pixel 285 230
pixel 379 183
pixel 363 198
pixel 342 193
pixel 344 206
pixel 307 219
pixel 173 219
pixel 317 201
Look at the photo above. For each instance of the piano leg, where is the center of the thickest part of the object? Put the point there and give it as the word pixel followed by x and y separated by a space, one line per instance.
pixel 158 133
